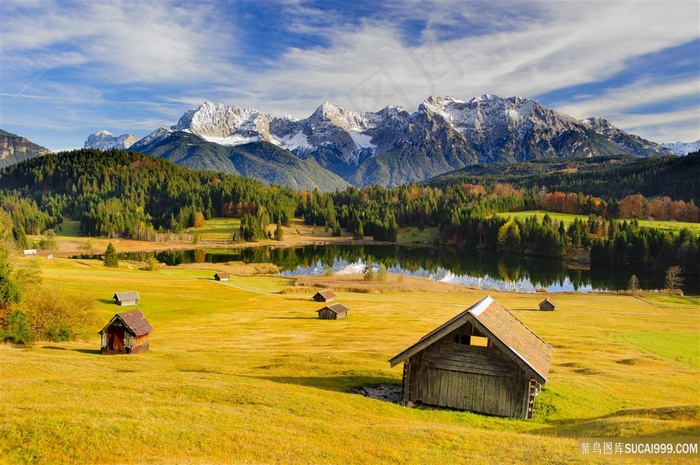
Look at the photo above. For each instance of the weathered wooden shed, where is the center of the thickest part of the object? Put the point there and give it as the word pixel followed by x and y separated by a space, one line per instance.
pixel 483 360
pixel 547 304
pixel 126 333
pixel 126 298
pixel 333 312
pixel 222 276
pixel 325 295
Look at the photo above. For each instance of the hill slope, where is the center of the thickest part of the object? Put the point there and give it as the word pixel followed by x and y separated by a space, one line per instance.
pixel 14 148
pixel 610 177
pixel 257 160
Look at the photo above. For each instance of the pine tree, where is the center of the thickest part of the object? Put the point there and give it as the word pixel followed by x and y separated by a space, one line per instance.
pixel 633 284
pixel 111 259
pixel 279 234
pixel 369 272
pixel 382 273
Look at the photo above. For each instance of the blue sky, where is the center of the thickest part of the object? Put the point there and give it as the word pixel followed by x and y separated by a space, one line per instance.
pixel 69 68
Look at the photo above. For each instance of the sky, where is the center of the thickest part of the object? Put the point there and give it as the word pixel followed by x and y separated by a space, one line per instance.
pixel 70 68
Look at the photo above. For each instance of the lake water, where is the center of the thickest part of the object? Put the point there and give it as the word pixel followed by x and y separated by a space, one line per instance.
pixel 482 269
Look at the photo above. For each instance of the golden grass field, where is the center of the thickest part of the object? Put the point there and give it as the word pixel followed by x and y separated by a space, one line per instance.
pixel 244 372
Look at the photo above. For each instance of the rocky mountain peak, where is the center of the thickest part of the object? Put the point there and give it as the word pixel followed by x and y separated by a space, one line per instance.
pixel 105 140
pixel 338 116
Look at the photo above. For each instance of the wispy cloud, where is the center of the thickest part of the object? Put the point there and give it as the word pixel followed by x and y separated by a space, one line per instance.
pixel 86 62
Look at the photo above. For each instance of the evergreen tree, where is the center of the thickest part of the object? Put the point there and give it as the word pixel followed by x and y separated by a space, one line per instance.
pixel 369 273
pixel 382 273
pixel 633 284
pixel 279 234
pixel 111 258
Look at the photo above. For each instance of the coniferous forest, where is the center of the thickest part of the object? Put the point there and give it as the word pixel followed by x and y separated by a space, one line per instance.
pixel 131 195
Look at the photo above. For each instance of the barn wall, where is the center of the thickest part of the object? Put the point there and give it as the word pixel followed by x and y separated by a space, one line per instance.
pixel 326 314
pixel 454 375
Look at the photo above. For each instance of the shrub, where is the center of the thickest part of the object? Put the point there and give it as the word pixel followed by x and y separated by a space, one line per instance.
pixel 16 328
pixel 56 316
pixel 151 264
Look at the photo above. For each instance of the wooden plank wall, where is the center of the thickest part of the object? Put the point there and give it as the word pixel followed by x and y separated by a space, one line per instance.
pixel 480 379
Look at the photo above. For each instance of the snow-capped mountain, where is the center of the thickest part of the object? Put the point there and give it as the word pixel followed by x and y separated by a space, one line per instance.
pixel 343 135
pixel 105 140
pixel 682 148
pixel 393 146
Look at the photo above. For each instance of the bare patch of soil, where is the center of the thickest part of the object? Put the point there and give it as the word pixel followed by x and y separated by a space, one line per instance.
pixel 385 392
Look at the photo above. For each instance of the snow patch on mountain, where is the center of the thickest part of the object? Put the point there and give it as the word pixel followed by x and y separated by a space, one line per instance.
pixel 105 140
pixel 682 148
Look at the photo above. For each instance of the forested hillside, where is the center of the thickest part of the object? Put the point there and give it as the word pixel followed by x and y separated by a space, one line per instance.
pixel 607 177
pixel 123 194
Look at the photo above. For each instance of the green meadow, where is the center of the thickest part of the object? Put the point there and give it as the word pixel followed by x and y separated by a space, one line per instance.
pixel 569 218
pixel 244 372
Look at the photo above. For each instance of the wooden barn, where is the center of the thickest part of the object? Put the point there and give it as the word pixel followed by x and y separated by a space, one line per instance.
pixel 325 295
pixel 547 304
pixel 222 276
pixel 126 333
pixel 126 298
pixel 333 312
pixel 483 360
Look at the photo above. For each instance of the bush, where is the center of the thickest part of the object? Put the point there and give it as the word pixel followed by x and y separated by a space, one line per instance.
pixel 55 316
pixel 151 264
pixel 16 328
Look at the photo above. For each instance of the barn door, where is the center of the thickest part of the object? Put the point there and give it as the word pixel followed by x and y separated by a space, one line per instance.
pixel 115 338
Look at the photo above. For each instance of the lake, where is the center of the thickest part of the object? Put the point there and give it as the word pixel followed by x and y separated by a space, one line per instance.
pixel 474 268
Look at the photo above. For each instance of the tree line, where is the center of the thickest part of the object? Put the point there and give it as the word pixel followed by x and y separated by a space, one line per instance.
pixel 131 195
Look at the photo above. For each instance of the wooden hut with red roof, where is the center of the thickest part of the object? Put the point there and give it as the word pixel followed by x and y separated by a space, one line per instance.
pixel 484 360
pixel 126 333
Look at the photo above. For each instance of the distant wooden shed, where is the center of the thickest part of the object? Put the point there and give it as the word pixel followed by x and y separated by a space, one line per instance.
pixel 126 333
pixel 483 360
pixel 222 276
pixel 547 304
pixel 333 312
pixel 126 298
pixel 325 295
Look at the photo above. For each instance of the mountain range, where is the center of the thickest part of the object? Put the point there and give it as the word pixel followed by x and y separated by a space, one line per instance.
pixel 389 147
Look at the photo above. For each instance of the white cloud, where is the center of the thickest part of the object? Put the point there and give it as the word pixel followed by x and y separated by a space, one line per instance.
pixel 508 48
pixel 123 41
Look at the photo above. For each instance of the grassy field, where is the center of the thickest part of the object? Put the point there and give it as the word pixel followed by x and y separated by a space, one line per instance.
pixel 568 218
pixel 244 372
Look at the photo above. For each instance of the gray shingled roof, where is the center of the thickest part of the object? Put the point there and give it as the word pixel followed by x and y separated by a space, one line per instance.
pixel 326 294
pixel 127 295
pixel 335 308
pixel 515 339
